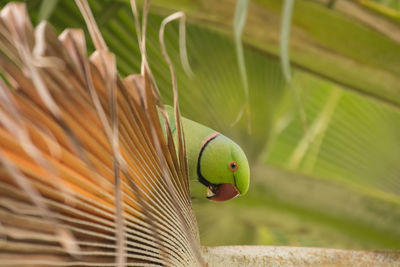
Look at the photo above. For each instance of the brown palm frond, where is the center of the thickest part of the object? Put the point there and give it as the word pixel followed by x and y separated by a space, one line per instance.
pixel 87 177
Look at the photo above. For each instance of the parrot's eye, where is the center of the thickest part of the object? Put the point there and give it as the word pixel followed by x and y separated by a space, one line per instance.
pixel 233 166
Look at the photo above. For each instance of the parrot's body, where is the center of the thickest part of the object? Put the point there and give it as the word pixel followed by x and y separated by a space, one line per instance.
pixel 214 160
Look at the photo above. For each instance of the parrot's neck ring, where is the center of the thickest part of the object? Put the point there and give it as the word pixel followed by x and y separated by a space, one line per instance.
pixel 203 146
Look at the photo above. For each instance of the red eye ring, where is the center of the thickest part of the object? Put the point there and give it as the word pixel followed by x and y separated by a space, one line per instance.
pixel 233 166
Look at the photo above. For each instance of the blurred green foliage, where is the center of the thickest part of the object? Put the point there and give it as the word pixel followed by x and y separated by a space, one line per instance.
pixel 336 185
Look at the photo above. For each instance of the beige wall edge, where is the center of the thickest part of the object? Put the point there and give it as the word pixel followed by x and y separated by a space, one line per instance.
pixel 230 256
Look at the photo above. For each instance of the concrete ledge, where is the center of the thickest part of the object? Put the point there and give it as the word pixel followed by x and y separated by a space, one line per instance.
pixel 230 256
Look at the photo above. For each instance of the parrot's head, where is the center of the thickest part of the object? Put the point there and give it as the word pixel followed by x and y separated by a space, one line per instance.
pixel 223 168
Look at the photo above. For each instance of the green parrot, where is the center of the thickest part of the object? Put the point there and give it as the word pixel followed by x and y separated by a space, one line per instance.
pixel 214 160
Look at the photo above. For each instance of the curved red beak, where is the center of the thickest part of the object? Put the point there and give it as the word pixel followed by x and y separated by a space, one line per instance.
pixel 222 192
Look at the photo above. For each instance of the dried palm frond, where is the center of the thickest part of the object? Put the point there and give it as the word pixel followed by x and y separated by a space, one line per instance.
pixel 88 177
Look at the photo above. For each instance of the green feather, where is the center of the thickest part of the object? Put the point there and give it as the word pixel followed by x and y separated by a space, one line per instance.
pixel 216 156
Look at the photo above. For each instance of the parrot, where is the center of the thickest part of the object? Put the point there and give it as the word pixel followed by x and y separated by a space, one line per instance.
pixel 214 160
